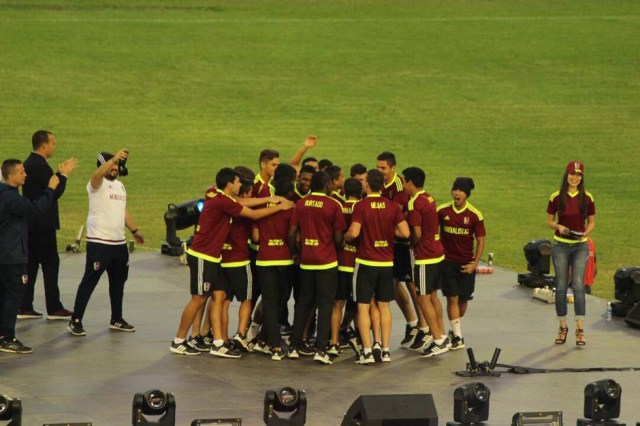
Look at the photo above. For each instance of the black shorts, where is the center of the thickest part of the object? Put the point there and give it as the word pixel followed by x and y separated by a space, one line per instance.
pixel 345 286
pixel 457 283
pixel 427 278
pixel 238 282
pixel 373 281
pixel 402 262
pixel 205 276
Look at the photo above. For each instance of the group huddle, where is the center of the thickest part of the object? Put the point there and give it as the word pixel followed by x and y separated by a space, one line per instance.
pixel 343 247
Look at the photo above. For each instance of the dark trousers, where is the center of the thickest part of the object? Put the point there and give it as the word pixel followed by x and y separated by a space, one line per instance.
pixel 13 283
pixel 43 251
pixel 317 288
pixel 285 294
pixel 272 280
pixel 100 258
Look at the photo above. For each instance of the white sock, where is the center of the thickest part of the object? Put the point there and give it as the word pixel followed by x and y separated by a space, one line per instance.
pixel 424 329
pixel 178 340
pixel 439 341
pixel 412 323
pixel 218 342
pixel 456 327
pixel 366 350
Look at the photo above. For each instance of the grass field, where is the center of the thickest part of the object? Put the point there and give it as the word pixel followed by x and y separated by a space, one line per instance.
pixel 504 91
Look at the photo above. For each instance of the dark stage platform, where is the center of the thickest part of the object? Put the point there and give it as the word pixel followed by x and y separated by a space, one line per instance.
pixel 94 378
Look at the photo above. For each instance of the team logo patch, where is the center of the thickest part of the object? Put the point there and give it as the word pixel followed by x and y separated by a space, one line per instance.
pixel 25 279
pixel 96 266
pixel 466 220
pixel 446 217
pixel 206 286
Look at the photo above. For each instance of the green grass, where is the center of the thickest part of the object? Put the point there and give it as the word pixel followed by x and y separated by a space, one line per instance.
pixel 505 91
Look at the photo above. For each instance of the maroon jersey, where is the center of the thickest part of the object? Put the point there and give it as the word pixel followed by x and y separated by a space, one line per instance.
pixel 394 191
pixel 347 254
pixel 214 225
pixel 458 228
pixel 422 213
pixel 571 217
pixel 235 251
pixel 261 189
pixel 378 218
pixel 297 195
pixel 318 217
pixel 338 196
pixel 273 247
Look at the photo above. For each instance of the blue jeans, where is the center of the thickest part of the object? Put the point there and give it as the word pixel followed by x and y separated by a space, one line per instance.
pixel 574 256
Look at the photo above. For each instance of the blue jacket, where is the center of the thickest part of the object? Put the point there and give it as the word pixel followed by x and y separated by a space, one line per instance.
pixel 14 221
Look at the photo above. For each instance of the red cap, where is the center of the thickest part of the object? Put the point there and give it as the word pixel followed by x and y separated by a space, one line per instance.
pixel 575 167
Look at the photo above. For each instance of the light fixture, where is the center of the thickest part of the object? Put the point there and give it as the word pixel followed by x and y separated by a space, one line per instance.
pixel 538 256
pixel 470 404
pixel 11 409
pixel 285 406
pixel 154 407
pixel 627 284
pixel 538 418
pixel 601 403
pixel 178 217
pixel 217 422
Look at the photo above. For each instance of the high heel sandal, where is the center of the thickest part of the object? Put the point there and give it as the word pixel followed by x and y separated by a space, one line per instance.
pixel 580 337
pixel 562 335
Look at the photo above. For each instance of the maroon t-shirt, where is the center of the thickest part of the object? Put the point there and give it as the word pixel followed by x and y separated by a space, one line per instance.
pixel 394 191
pixel 318 217
pixel 458 229
pixel 571 217
pixel 273 247
pixel 347 254
pixel 235 251
pixel 422 212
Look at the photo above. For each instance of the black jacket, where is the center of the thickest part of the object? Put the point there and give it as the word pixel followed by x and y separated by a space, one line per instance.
pixel 38 174
pixel 14 214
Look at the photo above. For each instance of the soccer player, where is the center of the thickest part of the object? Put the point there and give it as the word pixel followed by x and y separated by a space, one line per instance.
pixel 320 223
pixel 269 160
pixel 377 221
pixel 337 183
pixel 460 224
pixel 428 256
pixel 302 187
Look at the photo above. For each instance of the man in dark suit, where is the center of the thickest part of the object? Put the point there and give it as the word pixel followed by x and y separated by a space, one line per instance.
pixel 43 246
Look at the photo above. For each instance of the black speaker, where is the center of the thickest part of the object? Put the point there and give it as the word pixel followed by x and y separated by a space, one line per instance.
pixel 633 317
pixel 392 410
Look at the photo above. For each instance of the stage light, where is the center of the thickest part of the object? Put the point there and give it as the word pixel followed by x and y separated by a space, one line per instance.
pixel 288 402
pixel 538 256
pixel 601 403
pixel 177 217
pixel 154 407
pixel 538 418
pixel 470 404
pixel 627 285
pixel 217 422
pixel 11 409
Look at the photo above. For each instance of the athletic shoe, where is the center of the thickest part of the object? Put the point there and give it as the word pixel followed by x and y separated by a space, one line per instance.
pixel 409 335
pixel 121 325
pixel 62 314
pixel 293 353
pixel 386 356
pixel 183 349
pixel 435 349
pixel 224 351
pixel 322 357
pixel 457 343
pixel 208 339
pixel 252 332
pixel 285 330
pixel 346 335
pixel 197 343
pixel 334 349
pixel 276 354
pixel 365 359
pixel 14 346
pixel 75 328
pixel 241 343
pixel 356 345
pixel 377 351
pixel 422 341
pixel 306 349
pixel 28 314
pixel 262 347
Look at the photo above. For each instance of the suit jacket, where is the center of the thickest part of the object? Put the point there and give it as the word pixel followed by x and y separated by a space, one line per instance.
pixel 38 174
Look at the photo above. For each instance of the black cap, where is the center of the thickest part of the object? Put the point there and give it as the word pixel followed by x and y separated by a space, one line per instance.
pixel 464 184
pixel 103 157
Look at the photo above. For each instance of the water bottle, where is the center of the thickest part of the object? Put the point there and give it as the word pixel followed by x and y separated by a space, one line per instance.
pixel 490 259
pixel 608 312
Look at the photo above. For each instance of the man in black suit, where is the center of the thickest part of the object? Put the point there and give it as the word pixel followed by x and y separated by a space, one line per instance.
pixel 43 246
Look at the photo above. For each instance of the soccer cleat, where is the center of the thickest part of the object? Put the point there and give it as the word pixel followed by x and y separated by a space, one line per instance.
pixel 75 328
pixel 422 341
pixel 276 354
pixel 61 314
pixel 365 359
pixel 457 343
pixel 409 335
pixel 322 357
pixel 334 349
pixel 197 343
pixel 121 325
pixel 14 346
pixel 183 349
pixel 377 351
pixel 224 351
pixel 293 353
pixel 435 349
pixel 28 314
pixel 241 343
pixel 386 356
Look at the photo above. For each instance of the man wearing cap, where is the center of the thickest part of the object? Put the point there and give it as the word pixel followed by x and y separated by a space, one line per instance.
pixel 106 242
pixel 460 223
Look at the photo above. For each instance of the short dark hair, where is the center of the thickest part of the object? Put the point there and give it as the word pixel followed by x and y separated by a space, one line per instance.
pixel 226 176
pixel 309 160
pixel 353 188
pixel 414 175
pixel 39 138
pixel 324 163
pixel 333 172
pixel 285 171
pixel 283 186
pixel 306 169
pixel 245 173
pixel 357 169
pixel 268 155
pixel 387 156
pixel 375 180
pixel 320 181
pixel 9 167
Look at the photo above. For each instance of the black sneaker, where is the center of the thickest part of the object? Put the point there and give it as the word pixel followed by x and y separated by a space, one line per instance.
pixel 262 347
pixel 224 351
pixel 334 349
pixel 183 349
pixel 240 342
pixel 121 325
pixel 377 351
pixel 386 356
pixel 286 329
pixel 208 339
pixel 197 343
pixel 435 349
pixel 293 353
pixel 14 346
pixel 306 349
pixel 422 341
pixel 409 335
pixel 365 359
pixel 276 354
pixel 75 328
pixel 322 357
pixel 457 343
